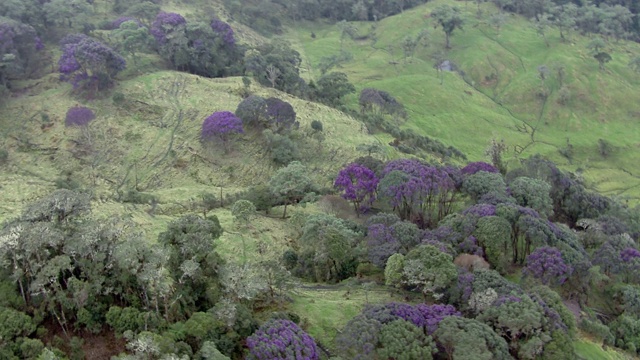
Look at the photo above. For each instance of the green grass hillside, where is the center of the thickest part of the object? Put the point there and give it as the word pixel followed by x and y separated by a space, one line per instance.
pixel 499 94
pixel 150 142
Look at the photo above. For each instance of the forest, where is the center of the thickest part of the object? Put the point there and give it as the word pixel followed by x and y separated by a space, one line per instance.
pixel 306 179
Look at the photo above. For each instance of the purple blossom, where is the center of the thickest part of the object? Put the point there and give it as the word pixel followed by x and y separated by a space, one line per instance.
pixel 629 254
pixel 481 210
pixel 223 29
pixel 546 264
pixel 281 340
pixel 79 116
pixel 474 167
pixel 389 312
pixel 421 315
pixel 358 185
pixel 221 125
pixel 433 314
pixel 419 192
pixel 381 244
pixel 39 45
pixel 164 24
pixel 470 246
pixel 67 64
pixel 88 63
pixel 465 285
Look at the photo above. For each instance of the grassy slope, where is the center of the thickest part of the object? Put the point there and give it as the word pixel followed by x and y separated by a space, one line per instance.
pixel 467 112
pixel 152 141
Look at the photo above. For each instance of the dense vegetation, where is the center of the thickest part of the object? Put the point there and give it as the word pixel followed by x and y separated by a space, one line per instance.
pixel 168 224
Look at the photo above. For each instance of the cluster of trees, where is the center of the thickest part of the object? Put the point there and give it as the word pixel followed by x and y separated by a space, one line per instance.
pixel 519 222
pixel 448 234
pixel 262 14
pixel 60 264
pixel 199 48
pixel 609 18
pixel 19 52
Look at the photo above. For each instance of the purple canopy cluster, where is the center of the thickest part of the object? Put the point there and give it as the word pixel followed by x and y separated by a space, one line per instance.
pixel 419 192
pixel 433 314
pixel 164 24
pixel 480 210
pixel 79 116
pixel 629 254
pixel 546 264
pixel 421 315
pixel 86 62
pixel 381 244
pixel 224 30
pixel 39 45
pixel 470 246
pixel 358 185
pixel 222 126
pixel 475 167
pixel 281 340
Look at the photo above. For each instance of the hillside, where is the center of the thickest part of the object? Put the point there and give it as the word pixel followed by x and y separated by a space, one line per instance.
pixel 160 258
pixel 496 92
pixel 150 142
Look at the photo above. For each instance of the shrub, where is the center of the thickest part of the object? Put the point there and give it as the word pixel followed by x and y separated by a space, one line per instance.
pixel 79 116
pixel 316 125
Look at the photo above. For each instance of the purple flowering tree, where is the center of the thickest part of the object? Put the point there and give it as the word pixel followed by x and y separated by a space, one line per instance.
pixel 79 116
pixel 363 335
pixel 475 167
pixel 221 126
pixel 417 192
pixel 165 24
pixel 225 31
pixel 389 312
pixel 87 63
pixel 433 314
pixel 546 264
pixel 358 185
pixel 281 340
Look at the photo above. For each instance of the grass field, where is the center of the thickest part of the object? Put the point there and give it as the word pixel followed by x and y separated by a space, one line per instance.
pixel 499 94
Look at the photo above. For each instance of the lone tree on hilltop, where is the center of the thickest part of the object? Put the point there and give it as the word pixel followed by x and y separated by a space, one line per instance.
pixel 450 19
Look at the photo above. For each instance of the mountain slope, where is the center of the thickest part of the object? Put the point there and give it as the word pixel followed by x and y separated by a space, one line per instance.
pixel 498 91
